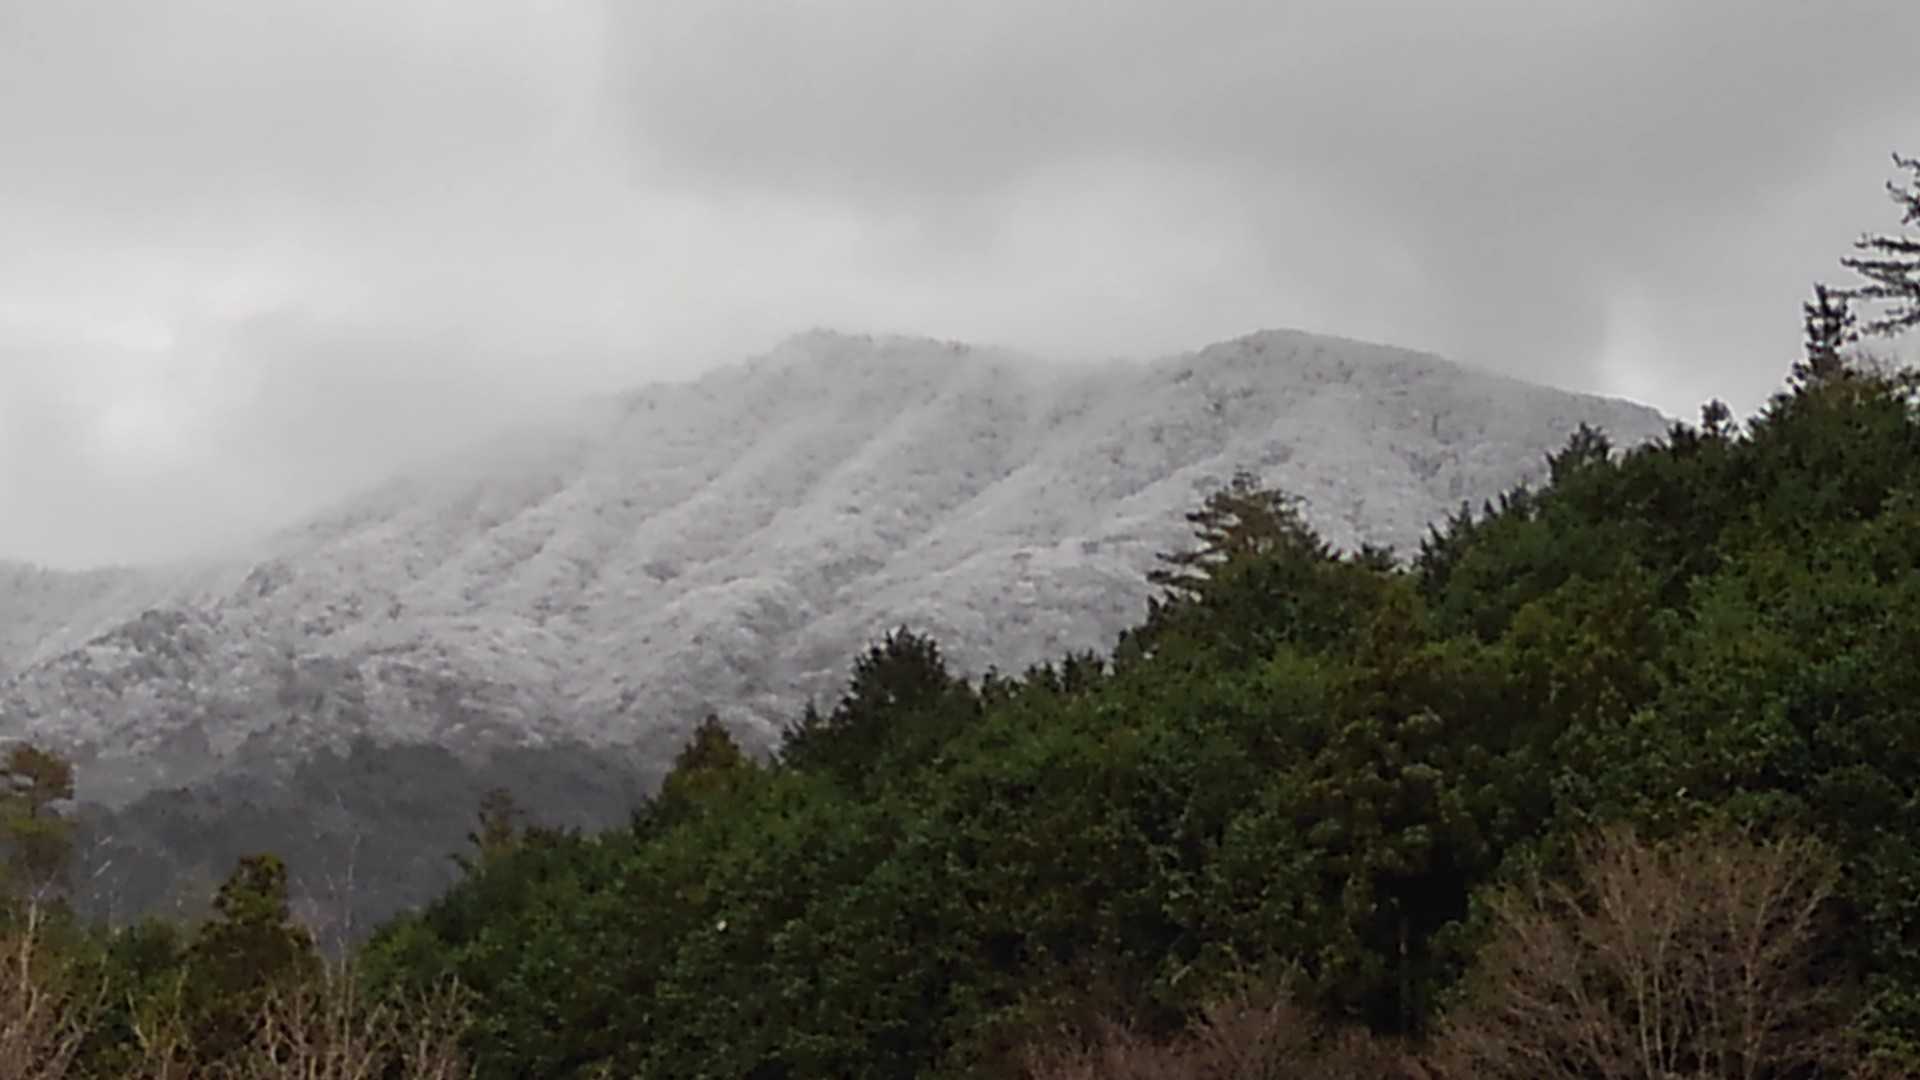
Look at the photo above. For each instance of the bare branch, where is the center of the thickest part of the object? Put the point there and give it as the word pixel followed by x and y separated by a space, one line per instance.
pixel 45 1013
pixel 1695 958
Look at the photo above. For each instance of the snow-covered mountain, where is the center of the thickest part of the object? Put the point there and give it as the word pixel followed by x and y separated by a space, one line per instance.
pixel 727 544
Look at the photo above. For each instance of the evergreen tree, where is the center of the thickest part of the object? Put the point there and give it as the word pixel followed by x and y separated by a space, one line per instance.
pixel 252 937
pixel 497 831
pixel 1830 329
pixel 38 841
pixel 1587 446
pixel 708 769
pixel 250 948
pixel 1257 574
pixel 1716 419
pixel 900 707
pixel 1891 264
pixel 1241 521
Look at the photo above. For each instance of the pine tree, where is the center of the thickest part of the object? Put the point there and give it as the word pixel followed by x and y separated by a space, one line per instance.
pixel 1587 446
pixel 709 768
pixel 1238 522
pixel 1830 329
pixel 249 949
pixel 1891 264
pixel 252 937
pixel 500 826
pixel 900 707
pixel 1716 420
pixel 711 749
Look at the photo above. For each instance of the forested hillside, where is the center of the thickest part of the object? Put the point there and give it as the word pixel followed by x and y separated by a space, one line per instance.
pixel 1304 768
pixel 1308 773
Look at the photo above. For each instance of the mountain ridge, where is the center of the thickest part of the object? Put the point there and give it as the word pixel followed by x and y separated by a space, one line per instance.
pixel 553 609
pixel 724 543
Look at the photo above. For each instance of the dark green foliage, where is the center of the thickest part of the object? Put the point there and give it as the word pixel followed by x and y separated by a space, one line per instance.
pixel 250 948
pixel 37 839
pixel 900 709
pixel 1258 578
pixel 1235 525
pixel 708 772
pixel 1830 329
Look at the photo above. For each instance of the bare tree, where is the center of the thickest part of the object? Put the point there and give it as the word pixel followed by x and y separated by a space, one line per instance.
pixel 44 1013
pixel 1699 958
pixel 161 1031
pixel 1245 1037
pixel 426 1041
pixel 324 1029
pixel 1117 1052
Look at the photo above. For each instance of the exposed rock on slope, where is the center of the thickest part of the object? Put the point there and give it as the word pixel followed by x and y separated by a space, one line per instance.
pixel 727 544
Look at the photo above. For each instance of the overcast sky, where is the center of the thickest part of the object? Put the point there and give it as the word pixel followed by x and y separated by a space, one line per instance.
pixel 255 253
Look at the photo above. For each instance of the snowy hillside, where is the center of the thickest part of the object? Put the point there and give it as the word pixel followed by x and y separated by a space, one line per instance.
pixel 552 611
pixel 727 544
pixel 45 612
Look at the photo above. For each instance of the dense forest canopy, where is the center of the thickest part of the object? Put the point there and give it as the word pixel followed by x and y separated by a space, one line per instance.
pixel 1304 767
pixel 1619 776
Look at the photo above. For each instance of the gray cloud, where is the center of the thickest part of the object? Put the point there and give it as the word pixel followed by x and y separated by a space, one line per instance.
pixel 162 452
pixel 1509 178
pixel 248 241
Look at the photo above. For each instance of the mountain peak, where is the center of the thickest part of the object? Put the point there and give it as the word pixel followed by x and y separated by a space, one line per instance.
pixel 726 545
pixel 1302 348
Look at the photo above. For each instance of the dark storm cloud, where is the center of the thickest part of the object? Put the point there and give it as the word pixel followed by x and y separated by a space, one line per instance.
pixel 248 241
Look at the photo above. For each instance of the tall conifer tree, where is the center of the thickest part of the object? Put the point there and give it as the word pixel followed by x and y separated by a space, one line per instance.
pixel 1830 329
pixel 1891 263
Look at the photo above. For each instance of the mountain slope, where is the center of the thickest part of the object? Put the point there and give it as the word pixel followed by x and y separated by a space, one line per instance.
pixel 727 544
